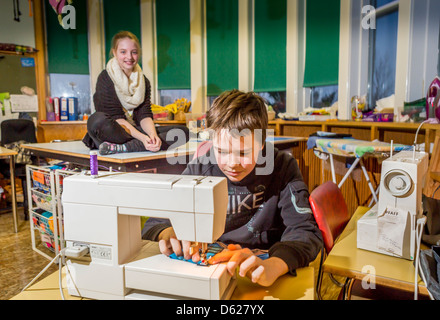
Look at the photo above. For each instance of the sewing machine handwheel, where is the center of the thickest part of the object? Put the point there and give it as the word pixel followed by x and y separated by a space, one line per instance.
pixel 398 183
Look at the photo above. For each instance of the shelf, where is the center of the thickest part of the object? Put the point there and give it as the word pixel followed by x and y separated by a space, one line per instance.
pixel 79 122
pixel 18 53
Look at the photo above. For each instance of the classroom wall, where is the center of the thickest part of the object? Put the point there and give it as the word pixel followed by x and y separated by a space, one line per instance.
pixel 16 32
pixel 18 75
pixel 419 46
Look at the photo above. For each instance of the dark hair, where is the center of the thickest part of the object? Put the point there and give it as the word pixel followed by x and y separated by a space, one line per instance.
pixel 238 110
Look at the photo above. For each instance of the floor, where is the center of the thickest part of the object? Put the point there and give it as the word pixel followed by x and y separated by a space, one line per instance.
pixel 19 264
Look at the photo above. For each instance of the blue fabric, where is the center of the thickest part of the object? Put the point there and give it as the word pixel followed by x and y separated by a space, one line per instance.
pixel 263 256
pixel 174 256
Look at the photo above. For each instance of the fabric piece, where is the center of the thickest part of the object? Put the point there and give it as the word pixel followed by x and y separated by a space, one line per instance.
pixel 356 148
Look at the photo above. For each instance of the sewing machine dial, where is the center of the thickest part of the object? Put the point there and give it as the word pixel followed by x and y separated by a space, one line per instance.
pixel 398 183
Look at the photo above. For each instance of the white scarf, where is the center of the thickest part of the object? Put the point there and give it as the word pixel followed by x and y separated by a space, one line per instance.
pixel 130 91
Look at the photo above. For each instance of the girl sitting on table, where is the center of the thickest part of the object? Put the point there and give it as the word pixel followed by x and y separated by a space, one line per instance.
pixel 123 121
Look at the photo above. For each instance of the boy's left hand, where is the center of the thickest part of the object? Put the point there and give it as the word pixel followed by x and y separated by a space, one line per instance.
pixel 263 272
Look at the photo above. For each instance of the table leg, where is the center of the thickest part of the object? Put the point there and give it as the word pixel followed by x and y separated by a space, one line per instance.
pixel 347 174
pixel 370 185
pixel 332 167
pixel 14 195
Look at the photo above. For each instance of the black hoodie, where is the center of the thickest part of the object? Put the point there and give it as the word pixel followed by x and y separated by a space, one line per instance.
pixel 264 211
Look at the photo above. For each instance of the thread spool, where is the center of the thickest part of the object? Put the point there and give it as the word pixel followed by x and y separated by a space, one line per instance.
pixel 94 163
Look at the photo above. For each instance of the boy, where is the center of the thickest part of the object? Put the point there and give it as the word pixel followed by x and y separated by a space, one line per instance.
pixel 267 209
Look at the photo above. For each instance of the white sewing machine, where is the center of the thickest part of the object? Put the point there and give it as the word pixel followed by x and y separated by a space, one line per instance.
pixel 402 180
pixel 102 215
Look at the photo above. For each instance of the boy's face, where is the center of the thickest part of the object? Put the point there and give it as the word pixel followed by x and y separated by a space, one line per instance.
pixel 236 156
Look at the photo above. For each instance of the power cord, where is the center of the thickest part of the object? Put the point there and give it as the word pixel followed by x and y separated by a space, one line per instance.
pixel 75 251
pixel 419 231
pixel 44 269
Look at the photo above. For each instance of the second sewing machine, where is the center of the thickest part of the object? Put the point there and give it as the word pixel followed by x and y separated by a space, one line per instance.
pixel 102 224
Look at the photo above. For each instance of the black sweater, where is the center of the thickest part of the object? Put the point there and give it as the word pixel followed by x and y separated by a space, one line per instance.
pixel 106 100
pixel 264 211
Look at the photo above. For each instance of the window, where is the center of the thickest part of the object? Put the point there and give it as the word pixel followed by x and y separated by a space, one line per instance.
pixel 276 99
pixel 169 96
pixel 382 52
pixel 221 46
pixel 72 85
pixel 321 70
pixel 68 58
pixel 438 64
pixel 323 97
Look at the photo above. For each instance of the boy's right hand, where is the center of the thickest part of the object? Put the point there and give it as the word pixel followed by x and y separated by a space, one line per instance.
pixel 169 244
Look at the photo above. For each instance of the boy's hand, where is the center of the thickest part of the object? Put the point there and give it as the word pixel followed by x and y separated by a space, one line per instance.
pixel 168 244
pixel 263 272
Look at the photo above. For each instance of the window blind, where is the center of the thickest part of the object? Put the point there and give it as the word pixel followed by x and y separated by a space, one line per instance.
pixel 322 43
pixel 67 49
pixel 270 45
pixel 173 44
pixel 121 16
pixel 222 45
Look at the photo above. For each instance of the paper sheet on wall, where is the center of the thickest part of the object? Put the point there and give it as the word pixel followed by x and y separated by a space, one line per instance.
pixel 391 225
pixel 24 103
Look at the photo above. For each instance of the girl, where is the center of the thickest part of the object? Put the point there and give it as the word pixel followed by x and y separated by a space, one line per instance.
pixel 123 121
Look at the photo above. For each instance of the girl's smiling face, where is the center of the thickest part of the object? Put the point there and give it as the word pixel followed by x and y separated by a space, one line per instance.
pixel 127 55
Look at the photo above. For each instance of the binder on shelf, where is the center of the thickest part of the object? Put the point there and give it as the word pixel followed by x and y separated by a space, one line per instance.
pixel 72 108
pixel 64 112
pixel 50 113
pixel 56 108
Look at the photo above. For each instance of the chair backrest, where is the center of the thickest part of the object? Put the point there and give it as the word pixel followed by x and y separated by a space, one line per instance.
pixel 330 212
pixel 202 148
pixel 13 130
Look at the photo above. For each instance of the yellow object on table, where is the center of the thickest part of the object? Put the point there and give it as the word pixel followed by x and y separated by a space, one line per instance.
pixel 347 260
pixel 287 287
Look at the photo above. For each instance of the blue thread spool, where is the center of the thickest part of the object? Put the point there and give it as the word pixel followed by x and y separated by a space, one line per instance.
pixel 94 163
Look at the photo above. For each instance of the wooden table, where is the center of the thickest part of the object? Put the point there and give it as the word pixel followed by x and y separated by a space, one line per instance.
pixel 76 152
pixel 287 287
pixel 6 153
pixel 346 260
pixel 172 161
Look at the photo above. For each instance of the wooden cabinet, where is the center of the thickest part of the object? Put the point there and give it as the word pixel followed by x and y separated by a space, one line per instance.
pixel 355 189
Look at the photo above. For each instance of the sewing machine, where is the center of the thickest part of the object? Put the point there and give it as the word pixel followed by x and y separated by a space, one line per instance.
pixel 102 219
pixel 400 193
